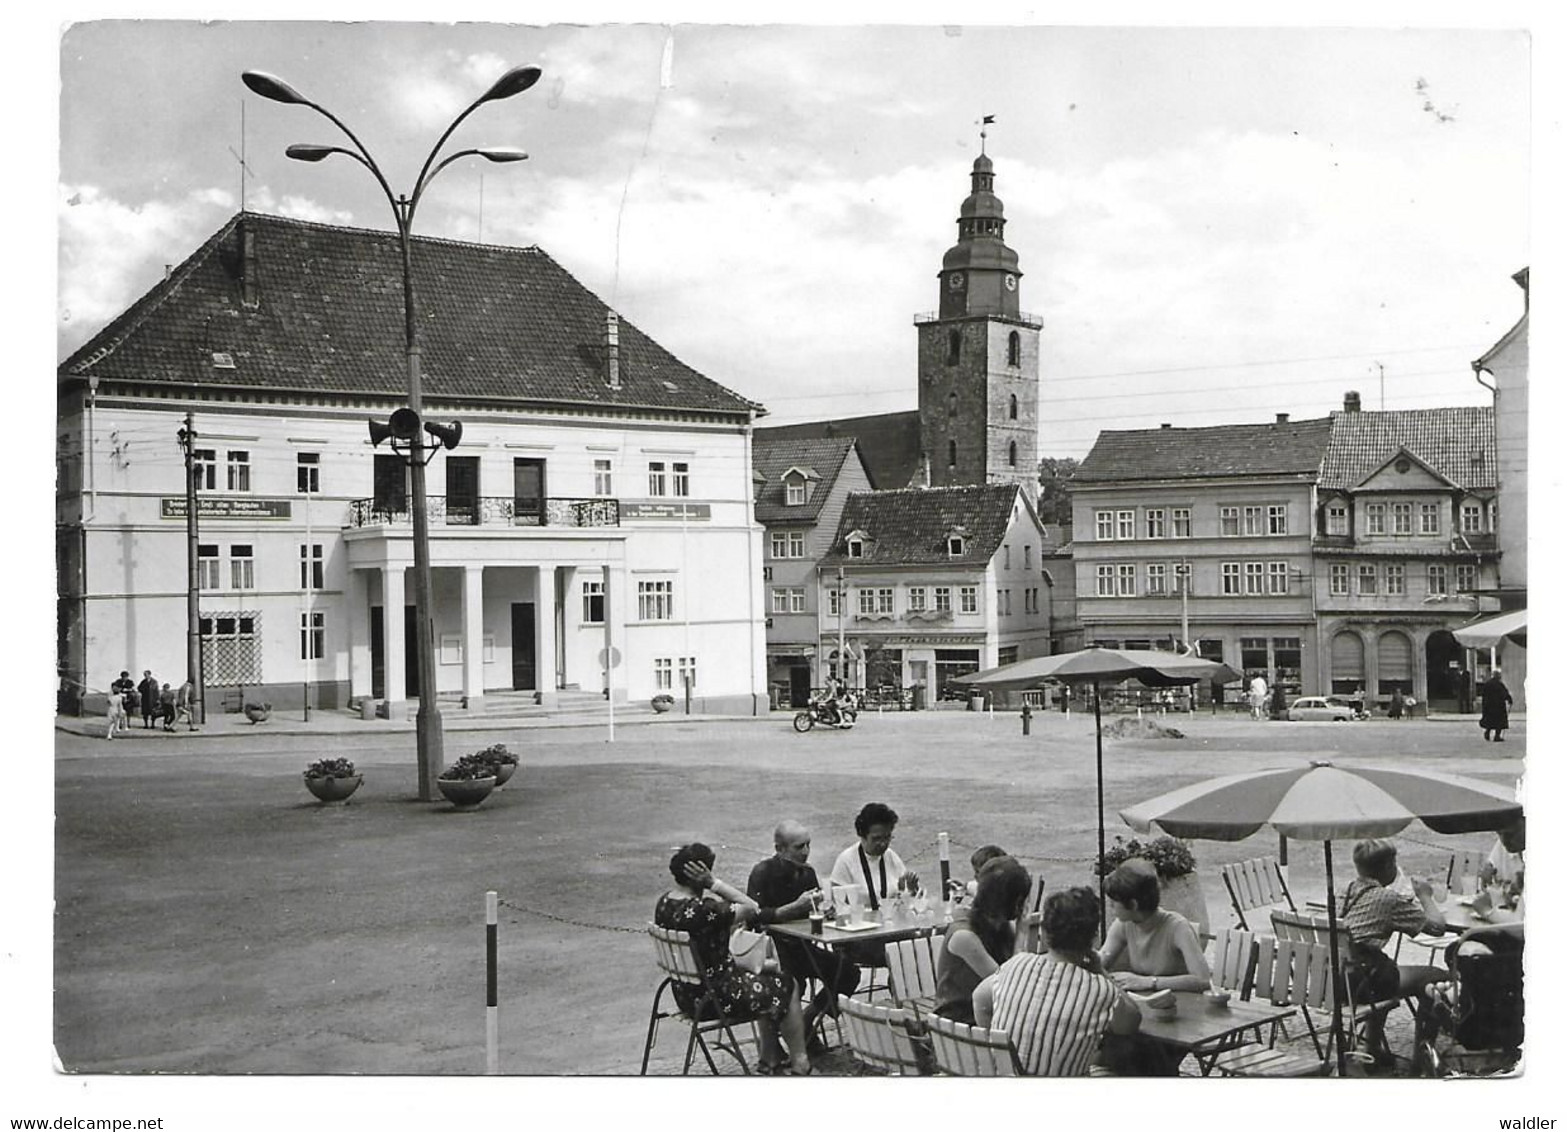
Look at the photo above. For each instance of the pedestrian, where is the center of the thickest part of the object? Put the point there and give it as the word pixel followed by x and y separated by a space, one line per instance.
pixel 1258 696
pixel 148 690
pixel 166 704
pixel 116 721
pixel 1395 705
pixel 1280 707
pixel 1494 698
pixel 187 704
pixel 123 690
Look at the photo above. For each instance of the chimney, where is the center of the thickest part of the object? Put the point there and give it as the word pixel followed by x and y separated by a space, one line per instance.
pixel 1281 418
pixel 249 295
pixel 1164 424
pixel 924 469
pixel 168 270
pixel 612 349
pixel 1352 402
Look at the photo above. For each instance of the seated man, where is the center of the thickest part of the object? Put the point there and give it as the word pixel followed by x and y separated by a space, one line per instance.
pixel 782 886
pixel 1370 911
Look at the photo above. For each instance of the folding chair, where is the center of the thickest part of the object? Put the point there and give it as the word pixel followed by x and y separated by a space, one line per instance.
pixel 1295 973
pixel 1233 960
pixel 971 1051
pixel 678 962
pixel 1306 928
pixel 911 971
pixel 1256 883
pixel 879 1036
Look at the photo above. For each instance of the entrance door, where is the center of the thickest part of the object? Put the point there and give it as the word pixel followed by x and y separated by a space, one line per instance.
pixel 377 654
pixel 524 667
pixel 528 491
pixel 411 651
pixel 462 491
pixel 799 685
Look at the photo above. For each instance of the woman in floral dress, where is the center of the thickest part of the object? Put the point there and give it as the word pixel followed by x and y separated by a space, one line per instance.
pixel 707 908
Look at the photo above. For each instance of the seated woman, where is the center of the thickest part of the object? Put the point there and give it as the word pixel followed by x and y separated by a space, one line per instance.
pixel 1147 949
pixel 708 908
pixel 981 937
pixel 1058 1005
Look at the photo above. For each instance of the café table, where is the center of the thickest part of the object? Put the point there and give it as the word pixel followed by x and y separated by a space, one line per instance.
pixel 1459 917
pixel 1195 1027
pixel 824 950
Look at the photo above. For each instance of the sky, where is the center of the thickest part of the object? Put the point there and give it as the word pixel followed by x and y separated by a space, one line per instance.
pixel 1214 225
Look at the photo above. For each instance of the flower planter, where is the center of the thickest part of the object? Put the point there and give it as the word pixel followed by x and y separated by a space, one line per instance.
pixel 465 793
pixel 333 789
pixel 258 713
pixel 503 773
pixel 661 704
pixel 1184 894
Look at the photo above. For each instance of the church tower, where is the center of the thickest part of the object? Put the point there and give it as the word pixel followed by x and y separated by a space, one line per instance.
pixel 979 356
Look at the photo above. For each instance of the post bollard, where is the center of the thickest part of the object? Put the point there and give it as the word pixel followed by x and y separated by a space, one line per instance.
pixel 1028 716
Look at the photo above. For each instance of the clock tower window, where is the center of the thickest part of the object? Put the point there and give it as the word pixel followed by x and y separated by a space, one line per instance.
pixel 1012 407
pixel 954 347
pixel 1012 453
pixel 952 453
pixel 1014 356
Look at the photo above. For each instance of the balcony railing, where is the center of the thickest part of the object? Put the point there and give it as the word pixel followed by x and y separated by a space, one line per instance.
pixel 489 511
pixel 1022 317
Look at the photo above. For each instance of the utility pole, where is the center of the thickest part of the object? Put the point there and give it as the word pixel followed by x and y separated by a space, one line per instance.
pixel 187 437
pixel 843 656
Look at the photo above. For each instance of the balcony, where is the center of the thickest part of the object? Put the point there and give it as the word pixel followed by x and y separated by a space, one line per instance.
pixel 445 510
pixel 1023 318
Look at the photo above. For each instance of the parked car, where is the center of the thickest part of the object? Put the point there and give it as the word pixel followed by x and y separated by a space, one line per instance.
pixel 1356 706
pixel 1318 707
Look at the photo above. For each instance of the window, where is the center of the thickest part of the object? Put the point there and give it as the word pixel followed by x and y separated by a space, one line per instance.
pixel 311 567
pixel 1395 578
pixel 1278 577
pixel 955 546
pixel 312 635
pixel 1254 654
pixel 1011 453
pixel 1001 602
pixel 1028 557
pixel 867 602
pixel 1465 578
pixel 952 453
pixel 657 482
pixel 834 602
pixel 231 648
pixel 1338 519
pixel 682 474
pixel 794 491
pixel 954 347
pixel 1126 580
pixel 1403 518
pixel 655 601
pixel 1253 521
pixel 239 470
pixel 1156 578
pixel 593 603
pixel 778 542
pixel 1230 574
pixel 242 567
pixel 1430 519
pixel 1012 405
pixel 1436 578
pixel 1182 572
pixel 1368 578
pixel 1278 519
pixel 204 468
pixel 1181 522
pixel 788 544
pixel 664 674
pixel 917 599
pixel 1153 518
pixel 1006 556
pixel 1104 578
pixel 207 566
pixel 968 599
pixel 1254 576
pixel 942 599
pixel 309 473
pixel 1104 525
pixel 789 599
pixel 1338 579
pixel 1376 518
pixel 688 672
pixel 856 548
pixel 1006 602
pixel 603 478
pixel 1229 521
pixel 1471 519
pixel 884 599
pixel 1125 524
pixel 1014 358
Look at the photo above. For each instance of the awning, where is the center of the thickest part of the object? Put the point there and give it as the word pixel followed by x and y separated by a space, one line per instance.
pixel 1489 632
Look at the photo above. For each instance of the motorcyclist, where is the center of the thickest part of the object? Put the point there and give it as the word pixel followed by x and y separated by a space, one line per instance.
pixel 829 709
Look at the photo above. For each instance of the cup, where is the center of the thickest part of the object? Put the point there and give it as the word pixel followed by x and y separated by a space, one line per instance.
pixel 817 920
pixel 856 914
pixel 1439 891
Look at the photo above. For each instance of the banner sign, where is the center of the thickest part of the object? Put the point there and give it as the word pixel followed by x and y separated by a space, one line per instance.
pixel 690 512
pixel 209 508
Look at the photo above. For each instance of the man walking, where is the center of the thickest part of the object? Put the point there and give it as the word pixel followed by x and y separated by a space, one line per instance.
pixel 148 690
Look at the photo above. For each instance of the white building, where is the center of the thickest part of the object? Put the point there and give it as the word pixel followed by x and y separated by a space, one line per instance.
pixel 588 454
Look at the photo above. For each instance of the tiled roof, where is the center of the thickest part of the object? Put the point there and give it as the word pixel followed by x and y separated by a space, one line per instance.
pixel 889 443
pixel 910 527
pixel 1459 443
pixel 1288 448
pixel 772 457
pixel 495 323
pixel 1057 536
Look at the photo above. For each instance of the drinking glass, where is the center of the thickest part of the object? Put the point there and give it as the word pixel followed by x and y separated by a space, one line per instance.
pixel 1439 891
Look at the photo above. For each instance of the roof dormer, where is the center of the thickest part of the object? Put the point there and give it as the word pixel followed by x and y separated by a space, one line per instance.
pixel 957 542
pixel 799 485
pixel 857 544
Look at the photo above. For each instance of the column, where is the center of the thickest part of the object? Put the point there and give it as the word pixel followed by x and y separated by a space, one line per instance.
pixel 571 622
pixel 473 637
pixel 615 600
pixel 544 635
pixel 358 600
pixel 393 599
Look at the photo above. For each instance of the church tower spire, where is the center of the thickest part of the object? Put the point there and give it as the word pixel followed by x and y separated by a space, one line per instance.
pixel 979 354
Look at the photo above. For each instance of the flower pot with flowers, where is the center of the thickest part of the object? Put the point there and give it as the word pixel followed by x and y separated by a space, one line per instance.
pixel 500 759
pixel 663 702
pixel 467 782
pixel 332 780
pixel 258 712
pixel 1180 889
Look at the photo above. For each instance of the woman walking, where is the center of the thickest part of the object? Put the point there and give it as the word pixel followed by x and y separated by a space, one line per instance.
pixel 1494 698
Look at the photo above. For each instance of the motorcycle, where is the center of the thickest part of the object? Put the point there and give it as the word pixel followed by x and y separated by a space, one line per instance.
pixel 815 713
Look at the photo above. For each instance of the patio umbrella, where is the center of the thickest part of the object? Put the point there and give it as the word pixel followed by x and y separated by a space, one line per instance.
pixel 1320 802
pixel 1489 632
pixel 1094 666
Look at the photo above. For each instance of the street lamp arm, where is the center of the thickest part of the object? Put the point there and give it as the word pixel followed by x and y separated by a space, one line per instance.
pixel 488 153
pixel 362 155
pixel 514 81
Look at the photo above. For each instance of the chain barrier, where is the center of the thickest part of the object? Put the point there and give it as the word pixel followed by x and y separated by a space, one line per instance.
pixel 525 910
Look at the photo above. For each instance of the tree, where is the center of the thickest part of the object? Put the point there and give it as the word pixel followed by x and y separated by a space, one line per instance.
pixel 1055 506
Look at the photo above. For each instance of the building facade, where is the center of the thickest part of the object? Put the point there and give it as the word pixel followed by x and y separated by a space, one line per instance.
pixel 925 585
pixel 801 488
pixel 598 505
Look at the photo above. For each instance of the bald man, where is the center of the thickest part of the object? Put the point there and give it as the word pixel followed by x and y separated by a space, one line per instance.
pixel 781 887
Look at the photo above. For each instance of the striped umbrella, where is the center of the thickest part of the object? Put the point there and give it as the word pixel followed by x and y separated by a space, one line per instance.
pixel 1320 802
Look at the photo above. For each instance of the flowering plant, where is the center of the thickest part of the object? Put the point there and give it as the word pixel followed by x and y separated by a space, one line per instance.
pixel 494 755
pixel 466 768
pixel 330 768
pixel 1169 856
pixel 664 697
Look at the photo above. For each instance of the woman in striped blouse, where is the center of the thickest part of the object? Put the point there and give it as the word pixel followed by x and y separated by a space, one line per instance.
pixel 1058 1005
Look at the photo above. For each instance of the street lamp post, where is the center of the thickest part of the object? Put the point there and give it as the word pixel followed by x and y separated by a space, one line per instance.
pixel 515 81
